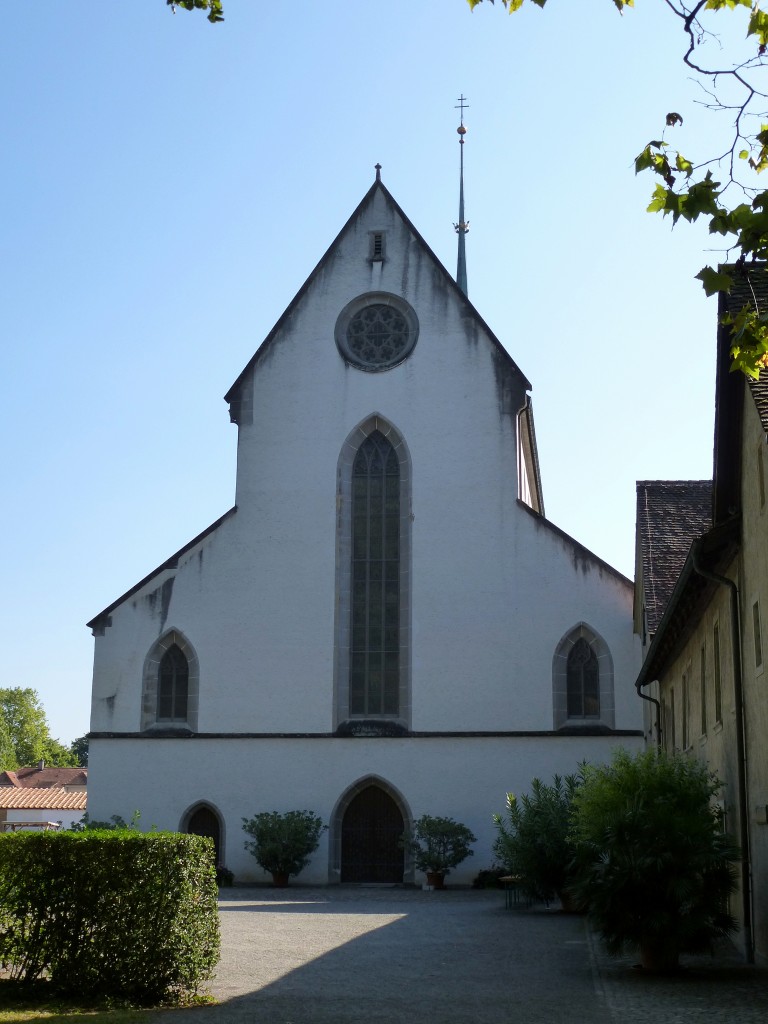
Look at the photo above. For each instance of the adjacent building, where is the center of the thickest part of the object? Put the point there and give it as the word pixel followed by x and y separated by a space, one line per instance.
pixel 700 603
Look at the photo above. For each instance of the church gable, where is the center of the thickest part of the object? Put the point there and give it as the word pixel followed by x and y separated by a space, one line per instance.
pixel 378 263
pixel 385 625
pixel 386 474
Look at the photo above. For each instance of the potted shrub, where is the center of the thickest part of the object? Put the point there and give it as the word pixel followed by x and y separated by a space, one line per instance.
pixel 659 871
pixel 533 841
pixel 283 843
pixel 438 845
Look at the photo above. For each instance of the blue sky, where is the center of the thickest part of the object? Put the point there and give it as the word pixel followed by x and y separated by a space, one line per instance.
pixel 167 186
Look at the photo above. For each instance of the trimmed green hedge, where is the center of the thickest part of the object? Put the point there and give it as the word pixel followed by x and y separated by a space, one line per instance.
pixel 105 913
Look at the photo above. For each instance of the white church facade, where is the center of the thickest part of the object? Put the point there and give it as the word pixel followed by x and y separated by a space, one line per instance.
pixel 385 625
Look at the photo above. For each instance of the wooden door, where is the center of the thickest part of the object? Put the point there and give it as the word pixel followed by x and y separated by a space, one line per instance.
pixel 370 838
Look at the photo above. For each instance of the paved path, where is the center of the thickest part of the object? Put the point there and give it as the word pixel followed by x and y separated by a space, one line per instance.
pixel 369 955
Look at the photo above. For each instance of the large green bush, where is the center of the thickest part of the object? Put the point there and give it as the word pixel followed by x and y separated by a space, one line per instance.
pixel 533 841
pixel 658 868
pixel 118 913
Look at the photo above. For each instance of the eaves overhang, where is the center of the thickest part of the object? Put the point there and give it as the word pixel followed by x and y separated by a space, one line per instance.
pixel 690 598
pixel 100 621
pixel 579 552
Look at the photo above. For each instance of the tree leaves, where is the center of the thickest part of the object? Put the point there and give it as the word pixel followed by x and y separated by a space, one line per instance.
pixel 24 735
pixel 215 8
pixel 699 194
pixel 714 280
pixel 717 5
pixel 758 25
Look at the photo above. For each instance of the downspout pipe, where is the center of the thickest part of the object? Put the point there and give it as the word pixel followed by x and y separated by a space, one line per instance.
pixel 651 700
pixel 741 744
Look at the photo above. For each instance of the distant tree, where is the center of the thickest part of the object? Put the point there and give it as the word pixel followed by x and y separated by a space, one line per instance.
pixel 7 753
pixel 79 750
pixel 116 823
pixel 57 755
pixel 720 185
pixel 26 727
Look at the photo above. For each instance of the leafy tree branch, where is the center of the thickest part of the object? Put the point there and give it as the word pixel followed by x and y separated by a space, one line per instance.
pixel 215 8
pixel 735 208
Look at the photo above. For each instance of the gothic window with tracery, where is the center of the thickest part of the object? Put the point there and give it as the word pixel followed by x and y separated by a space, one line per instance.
pixel 376 331
pixel 173 686
pixel 583 681
pixel 374 682
pixel 378 335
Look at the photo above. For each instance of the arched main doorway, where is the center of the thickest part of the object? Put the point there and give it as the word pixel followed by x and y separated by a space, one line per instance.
pixel 203 821
pixel 370 838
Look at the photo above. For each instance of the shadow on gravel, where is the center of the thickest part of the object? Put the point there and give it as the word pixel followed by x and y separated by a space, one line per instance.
pixel 716 989
pixel 447 958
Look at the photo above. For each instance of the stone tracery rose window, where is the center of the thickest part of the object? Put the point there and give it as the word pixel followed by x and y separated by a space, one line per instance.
pixel 378 335
pixel 376 331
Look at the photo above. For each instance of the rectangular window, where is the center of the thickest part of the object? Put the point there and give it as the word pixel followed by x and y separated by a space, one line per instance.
pixel 703 687
pixel 684 694
pixel 761 474
pixel 672 737
pixel 716 673
pixel 757 636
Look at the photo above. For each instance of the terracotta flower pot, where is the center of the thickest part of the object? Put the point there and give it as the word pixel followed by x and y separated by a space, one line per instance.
pixel 660 957
pixel 279 879
pixel 570 905
pixel 436 879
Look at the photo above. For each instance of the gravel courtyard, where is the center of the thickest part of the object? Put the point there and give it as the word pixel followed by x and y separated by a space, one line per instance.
pixel 369 955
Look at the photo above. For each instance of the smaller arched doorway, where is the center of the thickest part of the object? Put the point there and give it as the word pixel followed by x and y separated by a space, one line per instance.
pixel 370 838
pixel 202 820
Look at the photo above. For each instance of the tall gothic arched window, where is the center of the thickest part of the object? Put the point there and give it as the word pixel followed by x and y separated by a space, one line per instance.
pixel 173 686
pixel 374 663
pixel 582 681
pixel 583 675
pixel 170 693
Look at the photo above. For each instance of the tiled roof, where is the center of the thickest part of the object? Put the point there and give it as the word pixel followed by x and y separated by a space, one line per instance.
pixel 750 287
pixel 56 799
pixel 670 515
pixel 759 389
pixel 44 778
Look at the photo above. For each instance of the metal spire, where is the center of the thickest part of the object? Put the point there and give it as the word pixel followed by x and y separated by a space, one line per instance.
pixel 463 226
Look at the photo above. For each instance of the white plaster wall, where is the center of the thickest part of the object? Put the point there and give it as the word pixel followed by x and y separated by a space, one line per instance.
pixel 754 588
pixel 66 818
pixel 493 589
pixel 466 779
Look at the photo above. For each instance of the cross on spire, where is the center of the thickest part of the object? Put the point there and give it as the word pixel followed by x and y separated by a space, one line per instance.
pixel 462 105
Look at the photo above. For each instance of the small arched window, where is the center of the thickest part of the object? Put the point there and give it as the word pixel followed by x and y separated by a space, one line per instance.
pixel 173 686
pixel 583 675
